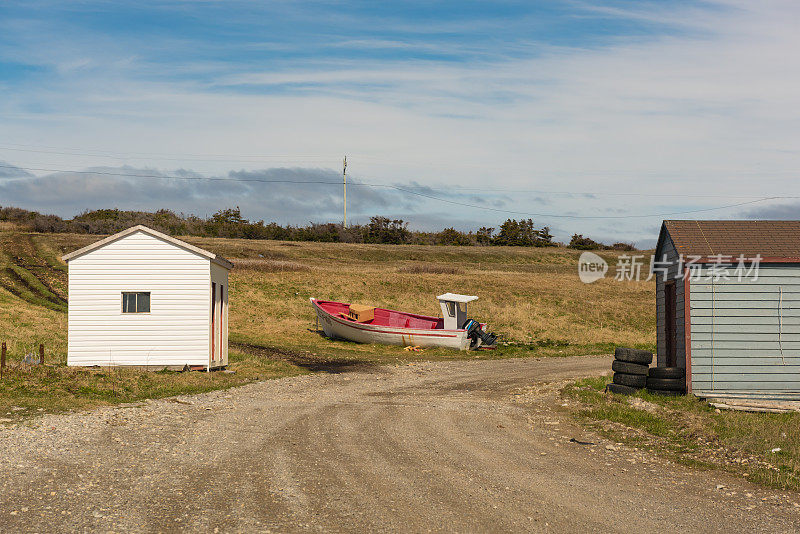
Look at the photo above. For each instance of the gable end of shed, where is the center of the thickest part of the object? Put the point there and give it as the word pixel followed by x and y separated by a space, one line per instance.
pixel 153 233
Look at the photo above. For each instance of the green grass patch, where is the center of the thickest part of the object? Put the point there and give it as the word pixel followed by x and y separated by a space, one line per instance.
pixel 47 253
pixel 27 390
pixel 532 297
pixel 688 430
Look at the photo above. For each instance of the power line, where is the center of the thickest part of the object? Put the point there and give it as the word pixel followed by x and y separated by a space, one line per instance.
pixel 163 176
pixel 254 157
pixel 562 216
pixel 502 190
pixel 404 190
pixel 238 158
pixel 604 193
pixel 159 155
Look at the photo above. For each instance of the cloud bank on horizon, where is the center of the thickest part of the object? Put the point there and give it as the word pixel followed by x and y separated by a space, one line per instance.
pixel 542 108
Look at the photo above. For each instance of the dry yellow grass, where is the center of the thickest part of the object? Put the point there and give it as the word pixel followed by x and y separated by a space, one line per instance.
pixel 532 297
pixel 24 326
pixel 427 268
pixel 267 265
pixel 524 307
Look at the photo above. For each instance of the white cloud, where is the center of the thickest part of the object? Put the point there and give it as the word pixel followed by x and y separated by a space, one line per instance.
pixel 710 108
pixel 287 195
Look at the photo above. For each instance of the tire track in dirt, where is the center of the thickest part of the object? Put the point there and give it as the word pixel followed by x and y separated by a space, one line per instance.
pixel 449 446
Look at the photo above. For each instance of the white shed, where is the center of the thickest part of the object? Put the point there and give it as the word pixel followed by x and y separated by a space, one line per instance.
pixel 144 298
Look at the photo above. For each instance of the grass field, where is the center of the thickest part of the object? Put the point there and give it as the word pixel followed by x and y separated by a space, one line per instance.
pixel 689 431
pixel 532 297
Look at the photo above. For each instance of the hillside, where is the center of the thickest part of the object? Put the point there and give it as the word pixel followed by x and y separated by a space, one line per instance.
pixel 531 296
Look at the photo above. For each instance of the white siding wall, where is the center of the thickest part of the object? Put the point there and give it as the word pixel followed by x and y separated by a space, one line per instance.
pixel 680 341
pixel 219 275
pixel 175 332
pixel 746 334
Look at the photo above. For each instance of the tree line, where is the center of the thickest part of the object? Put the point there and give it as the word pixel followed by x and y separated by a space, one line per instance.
pixel 229 223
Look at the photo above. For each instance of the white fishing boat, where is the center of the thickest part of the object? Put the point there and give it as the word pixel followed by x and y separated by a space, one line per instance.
pixel 391 327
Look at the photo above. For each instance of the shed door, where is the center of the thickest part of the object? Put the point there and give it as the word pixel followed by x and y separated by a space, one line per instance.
pixel 223 345
pixel 669 323
pixel 213 321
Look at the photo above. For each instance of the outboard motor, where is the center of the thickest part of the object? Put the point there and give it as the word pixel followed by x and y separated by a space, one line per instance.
pixel 475 333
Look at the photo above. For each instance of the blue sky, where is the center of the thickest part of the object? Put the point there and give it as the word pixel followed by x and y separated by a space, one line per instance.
pixel 563 111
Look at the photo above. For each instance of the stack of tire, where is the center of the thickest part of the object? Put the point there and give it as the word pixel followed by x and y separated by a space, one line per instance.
pixel 666 381
pixel 630 368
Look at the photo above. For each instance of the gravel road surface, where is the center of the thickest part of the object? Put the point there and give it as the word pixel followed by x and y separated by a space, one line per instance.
pixel 470 446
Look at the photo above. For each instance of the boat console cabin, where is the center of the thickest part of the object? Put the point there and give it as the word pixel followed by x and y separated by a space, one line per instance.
pixel 454 309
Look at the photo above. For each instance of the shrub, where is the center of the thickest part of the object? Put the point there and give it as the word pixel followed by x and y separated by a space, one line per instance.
pixel 484 235
pixel 385 230
pixel 451 236
pixel 229 223
pixel 522 233
pixel 625 247
pixel 583 243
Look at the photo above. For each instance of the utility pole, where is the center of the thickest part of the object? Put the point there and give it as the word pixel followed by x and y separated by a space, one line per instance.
pixel 344 182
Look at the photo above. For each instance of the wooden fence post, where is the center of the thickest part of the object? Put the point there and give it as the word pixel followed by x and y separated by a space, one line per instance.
pixel 2 358
pixel 41 353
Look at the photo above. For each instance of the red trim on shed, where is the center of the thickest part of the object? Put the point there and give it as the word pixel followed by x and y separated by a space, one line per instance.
pixel 687 332
pixel 213 316
pixel 747 259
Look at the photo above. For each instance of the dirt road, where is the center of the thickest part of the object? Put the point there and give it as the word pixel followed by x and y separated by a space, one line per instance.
pixel 462 446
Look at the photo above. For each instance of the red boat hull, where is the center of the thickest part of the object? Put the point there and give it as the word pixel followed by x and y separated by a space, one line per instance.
pixel 389 327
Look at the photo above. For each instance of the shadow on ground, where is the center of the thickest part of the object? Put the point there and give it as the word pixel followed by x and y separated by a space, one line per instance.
pixel 308 361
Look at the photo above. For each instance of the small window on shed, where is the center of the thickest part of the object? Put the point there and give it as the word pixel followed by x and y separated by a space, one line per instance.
pixel 136 302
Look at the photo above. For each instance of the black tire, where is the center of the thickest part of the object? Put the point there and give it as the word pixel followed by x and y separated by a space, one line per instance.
pixel 629 368
pixel 673 384
pixel 621 390
pixel 642 357
pixel 634 381
pixel 666 392
pixel 667 372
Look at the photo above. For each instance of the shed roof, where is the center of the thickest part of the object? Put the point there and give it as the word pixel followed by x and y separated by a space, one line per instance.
pixel 219 260
pixel 770 239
